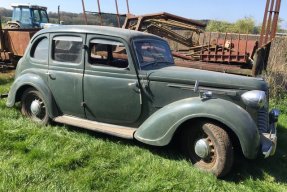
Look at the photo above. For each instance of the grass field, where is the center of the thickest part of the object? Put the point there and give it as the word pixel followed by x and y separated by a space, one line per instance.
pixel 63 158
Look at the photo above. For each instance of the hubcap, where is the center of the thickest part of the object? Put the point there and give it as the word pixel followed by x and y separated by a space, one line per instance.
pixel 202 148
pixel 35 107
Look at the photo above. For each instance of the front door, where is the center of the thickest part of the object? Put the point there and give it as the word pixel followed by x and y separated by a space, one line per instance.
pixel 111 92
pixel 65 75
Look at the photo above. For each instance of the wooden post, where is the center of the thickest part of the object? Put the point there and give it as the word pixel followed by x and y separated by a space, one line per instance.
pixel 118 16
pixel 59 16
pixel 99 12
pixel 84 13
pixel 128 7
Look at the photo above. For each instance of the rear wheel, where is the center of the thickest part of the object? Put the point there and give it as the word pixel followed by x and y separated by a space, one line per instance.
pixel 208 147
pixel 33 106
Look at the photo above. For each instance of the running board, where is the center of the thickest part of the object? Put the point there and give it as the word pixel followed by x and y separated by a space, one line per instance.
pixel 116 130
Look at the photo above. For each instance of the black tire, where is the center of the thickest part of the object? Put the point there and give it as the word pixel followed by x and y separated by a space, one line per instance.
pixel 28 97
pixel 220 157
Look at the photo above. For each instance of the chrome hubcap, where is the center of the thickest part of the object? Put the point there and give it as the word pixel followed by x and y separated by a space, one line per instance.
pixel 202 148
pixel 35 107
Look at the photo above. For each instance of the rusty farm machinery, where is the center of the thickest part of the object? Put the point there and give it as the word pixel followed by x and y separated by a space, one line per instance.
pixel 242 54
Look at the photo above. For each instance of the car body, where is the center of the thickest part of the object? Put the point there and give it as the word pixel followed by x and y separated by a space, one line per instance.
pixel 125 83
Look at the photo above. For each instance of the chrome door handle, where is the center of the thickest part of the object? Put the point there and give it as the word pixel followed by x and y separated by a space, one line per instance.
pixel 50 75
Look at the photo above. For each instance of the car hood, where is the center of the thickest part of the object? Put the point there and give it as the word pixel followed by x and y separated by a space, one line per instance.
pixel 183 75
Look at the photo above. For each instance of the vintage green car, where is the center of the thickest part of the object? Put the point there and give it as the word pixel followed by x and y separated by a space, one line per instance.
pixel 125 83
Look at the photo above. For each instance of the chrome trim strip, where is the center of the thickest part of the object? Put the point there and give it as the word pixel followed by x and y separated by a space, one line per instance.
pixel 203 89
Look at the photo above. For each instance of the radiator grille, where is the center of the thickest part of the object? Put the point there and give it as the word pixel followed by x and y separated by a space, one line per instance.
pixel 263 117
pixel 262 120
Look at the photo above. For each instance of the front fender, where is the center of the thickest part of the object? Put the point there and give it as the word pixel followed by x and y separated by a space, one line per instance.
pixel 35 81
pixel 159 128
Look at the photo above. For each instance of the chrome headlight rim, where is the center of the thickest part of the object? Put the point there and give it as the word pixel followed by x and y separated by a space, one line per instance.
pixel 255 99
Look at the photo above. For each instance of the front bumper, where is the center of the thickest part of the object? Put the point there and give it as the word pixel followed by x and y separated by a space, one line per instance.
pixel 268 140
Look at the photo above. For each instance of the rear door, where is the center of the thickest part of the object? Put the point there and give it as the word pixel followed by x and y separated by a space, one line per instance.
pixel 111 92
pixel 65 75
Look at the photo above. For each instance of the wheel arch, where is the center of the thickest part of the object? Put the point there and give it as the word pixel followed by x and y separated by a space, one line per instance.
pixel 36 82
pixel 160 128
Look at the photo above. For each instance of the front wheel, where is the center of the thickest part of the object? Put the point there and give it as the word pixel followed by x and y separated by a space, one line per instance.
pixel 208 147
pixel 33 106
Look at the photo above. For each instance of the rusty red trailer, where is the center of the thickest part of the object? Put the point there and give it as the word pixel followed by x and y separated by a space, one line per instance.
pixel 13 43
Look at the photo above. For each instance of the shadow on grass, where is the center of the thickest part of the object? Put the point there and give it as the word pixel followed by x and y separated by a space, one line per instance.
pixel 243 169
pixel 275 166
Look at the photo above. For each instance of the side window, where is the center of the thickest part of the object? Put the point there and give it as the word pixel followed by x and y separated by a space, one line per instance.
pixel 108 53
pixel 67 49
pixel 36 16
pixel 16 14
pixel 40 50
pixel 26 16
pixel 44 16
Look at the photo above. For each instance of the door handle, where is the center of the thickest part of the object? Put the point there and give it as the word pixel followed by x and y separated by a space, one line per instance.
pixel 134 84
pixel 51 76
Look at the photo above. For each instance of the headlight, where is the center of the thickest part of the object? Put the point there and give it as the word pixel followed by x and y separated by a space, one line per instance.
pixel 255 99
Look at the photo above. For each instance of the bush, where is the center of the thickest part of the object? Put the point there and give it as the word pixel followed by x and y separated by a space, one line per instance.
pixel 276 74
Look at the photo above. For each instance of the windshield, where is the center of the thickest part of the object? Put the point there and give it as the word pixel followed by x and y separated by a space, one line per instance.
pixel 150 52
pixel 16 14
pixel 21 14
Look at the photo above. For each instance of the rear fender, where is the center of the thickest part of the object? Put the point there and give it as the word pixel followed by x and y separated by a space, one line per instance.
pixel 35 81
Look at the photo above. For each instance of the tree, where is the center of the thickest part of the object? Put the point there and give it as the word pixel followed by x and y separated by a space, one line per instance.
pixel 245 25
pixel 218 26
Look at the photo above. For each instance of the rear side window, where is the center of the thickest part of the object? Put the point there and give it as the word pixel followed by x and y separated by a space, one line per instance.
pixel 36 16
pixel 44 16
pixel 108 53
pixel 67 49
pixel 40 50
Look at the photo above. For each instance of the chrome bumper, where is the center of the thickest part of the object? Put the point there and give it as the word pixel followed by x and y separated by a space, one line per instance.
pixel 269 140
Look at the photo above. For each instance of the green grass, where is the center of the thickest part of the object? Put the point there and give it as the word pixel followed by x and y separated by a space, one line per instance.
pixel 63 158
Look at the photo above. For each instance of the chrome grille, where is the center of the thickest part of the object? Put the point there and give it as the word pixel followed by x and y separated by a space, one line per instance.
pixel 262 120
pixel 263 116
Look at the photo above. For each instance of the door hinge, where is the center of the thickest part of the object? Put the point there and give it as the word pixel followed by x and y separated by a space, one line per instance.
pixel 85 47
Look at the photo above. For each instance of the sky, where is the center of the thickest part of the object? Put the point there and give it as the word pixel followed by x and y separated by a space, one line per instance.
pixel 227 10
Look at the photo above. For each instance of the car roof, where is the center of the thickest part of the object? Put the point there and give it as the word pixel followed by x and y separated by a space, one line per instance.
pixel 28 6
pixel 101 30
